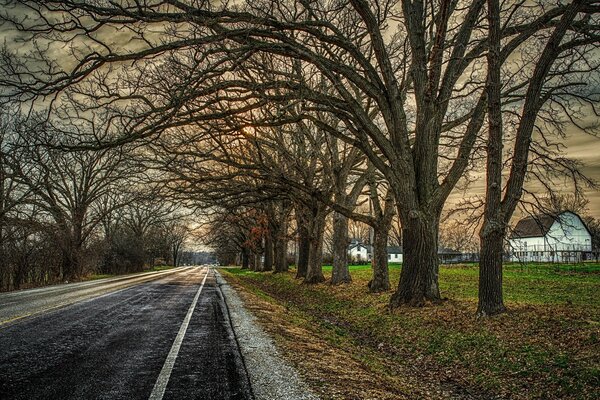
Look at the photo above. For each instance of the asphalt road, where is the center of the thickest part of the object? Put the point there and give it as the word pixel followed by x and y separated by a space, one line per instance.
pixel 165 338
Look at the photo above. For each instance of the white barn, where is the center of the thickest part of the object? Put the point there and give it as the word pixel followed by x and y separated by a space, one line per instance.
pixel 550 238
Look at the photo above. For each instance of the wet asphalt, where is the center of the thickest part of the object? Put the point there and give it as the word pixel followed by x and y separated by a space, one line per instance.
pixel 115 345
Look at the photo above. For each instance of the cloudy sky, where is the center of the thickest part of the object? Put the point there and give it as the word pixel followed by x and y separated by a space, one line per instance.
pixel 586 148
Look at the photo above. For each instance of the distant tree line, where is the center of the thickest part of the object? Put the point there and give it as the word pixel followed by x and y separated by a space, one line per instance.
pixel 67 214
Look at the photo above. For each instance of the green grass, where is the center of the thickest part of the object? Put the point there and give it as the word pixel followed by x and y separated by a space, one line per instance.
pixel 525 283
pixel 546 346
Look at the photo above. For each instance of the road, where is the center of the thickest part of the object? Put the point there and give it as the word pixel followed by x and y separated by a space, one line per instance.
pixel 164 336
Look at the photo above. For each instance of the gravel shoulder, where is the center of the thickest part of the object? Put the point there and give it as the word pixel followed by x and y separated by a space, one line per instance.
pixel 270 375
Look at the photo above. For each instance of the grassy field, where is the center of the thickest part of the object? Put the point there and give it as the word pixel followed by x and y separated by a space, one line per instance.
pixel 349 345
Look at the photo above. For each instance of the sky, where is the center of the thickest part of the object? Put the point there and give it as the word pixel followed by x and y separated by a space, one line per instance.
pixel 586 148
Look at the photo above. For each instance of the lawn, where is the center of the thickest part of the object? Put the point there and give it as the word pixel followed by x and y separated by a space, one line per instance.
pixel 349 345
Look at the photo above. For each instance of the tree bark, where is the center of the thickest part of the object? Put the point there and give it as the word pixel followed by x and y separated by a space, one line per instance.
pixel 493 229
pixel 257 262
pixel 245 260
pixel 268 262
pixel 490 273
pixel 303 249
pixel 280 247
pixel 70 264
pixel 314 273
pixel 419 277
pixel 340 272
pixel 280 255
pixel 316 229
pixel 252 261
pixel 381 277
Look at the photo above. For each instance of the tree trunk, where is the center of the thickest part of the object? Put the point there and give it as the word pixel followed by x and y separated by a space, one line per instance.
pixel 252 261
pixel 257 262
pixel 379 263
pixel 70 264
pixel 268 263
pixel 19 274
pixel 245 260
pixel 316 229
pixel 490 273
pixel 175 255
pixel 493 230
pixel 280 246
pixel 303 250
pixel 340 272
pixel 419 276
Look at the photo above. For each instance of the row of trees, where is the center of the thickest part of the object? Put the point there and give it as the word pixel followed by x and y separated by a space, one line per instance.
pixel 65 214
pixel 253 109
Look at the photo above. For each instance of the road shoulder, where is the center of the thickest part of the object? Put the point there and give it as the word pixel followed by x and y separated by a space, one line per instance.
pixel 270 375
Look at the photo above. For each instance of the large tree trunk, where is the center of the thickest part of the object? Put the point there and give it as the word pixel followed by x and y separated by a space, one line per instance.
pixel 340 272
pixel 419 276
pixel 268 263
pixel 280 254
pixel 490 273
pixel 381 277
pixel 19 275
pixel 316 229
pixel 303 249
pixel 314 273
pixel 70 264
pixel 257 261
pixel 252 261
pixel 280 247
pixel 245 260
pixel 175 255
pixel 493 231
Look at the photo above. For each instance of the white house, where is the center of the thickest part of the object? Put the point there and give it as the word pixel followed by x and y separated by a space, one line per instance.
pixel 359 252
pixel 550 238
pixel 394 254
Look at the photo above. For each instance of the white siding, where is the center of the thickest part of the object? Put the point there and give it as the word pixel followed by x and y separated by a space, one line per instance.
pixel 566 239
pixel 359 253
pixel 395 257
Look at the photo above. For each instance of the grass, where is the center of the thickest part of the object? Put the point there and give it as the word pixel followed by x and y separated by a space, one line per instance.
pixel 546 346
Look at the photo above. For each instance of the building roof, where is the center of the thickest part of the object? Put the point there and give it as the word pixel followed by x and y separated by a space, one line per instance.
pixel 539 225
pixel 533 226
pixel 394 249
pixel 445 250
pixel 358 245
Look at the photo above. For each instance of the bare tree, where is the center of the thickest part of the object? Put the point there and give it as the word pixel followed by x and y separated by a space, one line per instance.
pixel 65 186
pixel 411 98
pixel 536 84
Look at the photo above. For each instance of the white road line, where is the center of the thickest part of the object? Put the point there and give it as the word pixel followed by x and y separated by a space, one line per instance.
pixel 165 373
